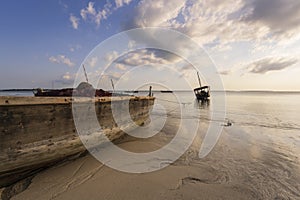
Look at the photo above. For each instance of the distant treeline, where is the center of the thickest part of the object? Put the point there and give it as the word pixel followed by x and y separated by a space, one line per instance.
pixel 16 90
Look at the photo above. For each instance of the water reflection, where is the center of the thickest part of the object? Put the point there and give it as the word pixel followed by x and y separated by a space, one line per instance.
pixel 201 104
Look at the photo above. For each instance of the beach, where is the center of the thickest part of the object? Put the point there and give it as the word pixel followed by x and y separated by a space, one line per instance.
pixel 257 157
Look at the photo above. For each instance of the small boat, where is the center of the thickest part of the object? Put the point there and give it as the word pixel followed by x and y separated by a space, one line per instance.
pixel 39 131
pixel 166 91
pixel 202 93
pixel 84 89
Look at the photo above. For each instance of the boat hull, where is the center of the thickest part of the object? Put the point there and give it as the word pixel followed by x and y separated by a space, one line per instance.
pixel 39 131
pixel 202 93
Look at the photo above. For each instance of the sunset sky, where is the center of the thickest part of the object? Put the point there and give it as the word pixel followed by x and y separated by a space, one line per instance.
pixel 255 44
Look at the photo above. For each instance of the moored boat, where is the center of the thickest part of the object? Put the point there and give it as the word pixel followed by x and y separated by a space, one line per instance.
pixel 202 93
pixel 84 89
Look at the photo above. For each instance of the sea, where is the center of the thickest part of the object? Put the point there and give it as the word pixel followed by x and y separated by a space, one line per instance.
pixel 259 146
pixel 278 110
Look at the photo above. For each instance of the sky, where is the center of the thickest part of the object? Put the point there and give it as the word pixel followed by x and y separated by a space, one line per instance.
pixel 253 44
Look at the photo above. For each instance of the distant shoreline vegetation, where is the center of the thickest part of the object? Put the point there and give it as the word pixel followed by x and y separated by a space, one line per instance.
pixel 16 90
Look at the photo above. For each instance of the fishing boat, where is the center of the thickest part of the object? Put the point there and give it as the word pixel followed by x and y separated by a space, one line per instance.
pixel 84 89
pixel 37 132
pixel 202 93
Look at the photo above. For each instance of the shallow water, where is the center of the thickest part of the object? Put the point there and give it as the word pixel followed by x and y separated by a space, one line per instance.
pixel 259 150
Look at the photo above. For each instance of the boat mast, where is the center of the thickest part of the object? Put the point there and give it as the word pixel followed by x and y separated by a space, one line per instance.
pixel 199 78
pixel 86 77
pixel 112 84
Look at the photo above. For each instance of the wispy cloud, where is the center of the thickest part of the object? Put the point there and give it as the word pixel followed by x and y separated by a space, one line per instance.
pixel 61 59
pixel 74 47
pixel 110 57
pixel 90 13
pixel 145 57
pixel 92 62
pixel 224 72
pixel 265 65
pixel 64 80
pixel 121 3
pixel 63 5
pixel 89 10
pixel 120 67
pixel 75 21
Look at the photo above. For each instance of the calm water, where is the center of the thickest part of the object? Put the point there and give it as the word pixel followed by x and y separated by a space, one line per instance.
pixel 272 109
pixel 260 151
pixel 16 93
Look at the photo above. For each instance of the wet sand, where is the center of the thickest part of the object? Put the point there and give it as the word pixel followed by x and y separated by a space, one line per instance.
pixel 248 162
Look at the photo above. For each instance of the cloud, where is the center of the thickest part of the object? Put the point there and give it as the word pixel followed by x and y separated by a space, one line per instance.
pixel 66 76
pixel 121 3
pixel 282 17
pixel 221 48
pixel 110 75
pixel 75 21
pixel 61 59
pixel 92 61
pixel 225 72
pixel 110 57
pixel 154 13
pixel 186 70
pixel 66 79
pixel 265 65
pixel 204 21
pixel 89 10
pixel 74 47
pixel 217 22
pixel 146 57
pixel 120 67
pixel 53 59
pixel 91 14
pixel 222 22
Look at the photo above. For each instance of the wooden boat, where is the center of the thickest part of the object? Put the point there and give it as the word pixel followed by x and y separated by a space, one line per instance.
pixel 39 131
pixel 84 89
pixel 202 93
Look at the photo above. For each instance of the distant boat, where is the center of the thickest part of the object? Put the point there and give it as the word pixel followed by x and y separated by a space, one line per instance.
pixel 203 92
pixel 84 89
pixel 166 91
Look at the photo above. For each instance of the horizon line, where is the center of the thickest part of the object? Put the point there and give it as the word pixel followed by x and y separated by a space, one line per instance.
pixel 179 90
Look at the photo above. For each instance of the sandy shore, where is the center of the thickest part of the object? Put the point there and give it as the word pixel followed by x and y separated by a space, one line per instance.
pixel 239 167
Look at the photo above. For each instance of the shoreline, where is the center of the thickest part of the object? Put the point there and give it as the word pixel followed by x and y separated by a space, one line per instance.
pixel 233 170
